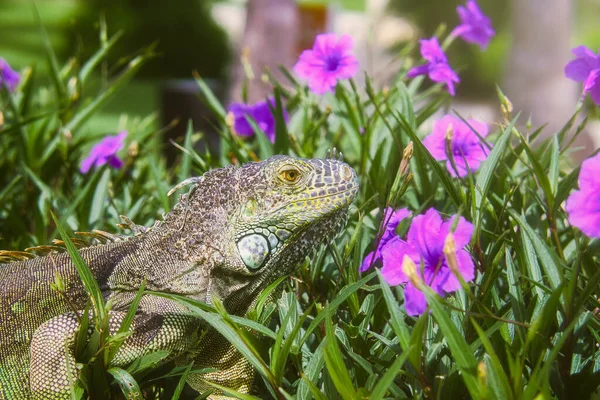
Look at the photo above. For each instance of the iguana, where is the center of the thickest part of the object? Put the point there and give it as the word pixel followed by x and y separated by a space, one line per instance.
pixel 236 231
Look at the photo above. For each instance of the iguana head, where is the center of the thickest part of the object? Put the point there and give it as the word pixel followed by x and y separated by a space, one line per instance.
pixel 247 226
pixel 294 206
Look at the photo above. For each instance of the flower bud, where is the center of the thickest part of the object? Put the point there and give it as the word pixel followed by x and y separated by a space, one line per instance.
pixel 482 374
pixel 410 270
pixel 230 121
pixel 448 143
pixel 449 133
pixel 68 134
pixel 133 149
pixel 506 107
pixel 450 252
pixel 72 89
pixel 406 156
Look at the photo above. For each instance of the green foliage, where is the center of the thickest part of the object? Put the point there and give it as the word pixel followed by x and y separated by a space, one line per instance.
pixel 179 33
pixel 480 70
pixel 526 327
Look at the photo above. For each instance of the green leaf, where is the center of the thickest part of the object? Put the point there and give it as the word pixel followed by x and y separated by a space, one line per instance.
pixel 82 331
pixel 462 354
pixel 145 363
pixel 421 152
pixel 100 199
pixel 540 174
pixel 50 56
pixel 265 147
pixel 89 283
pixel 280 352
pixel 564 188
pixel 232 393
pixel 388 377
pixel 229 333
pixel 343 294
pixel 335 364
pixel 487 170
pixel 514 288
pixel 548 258
pixel 100 55
pixel 397 319
pixel 282 140
pixel 126 323
pixel 209 98
pixel 553 172
pixel 101 100
pixel 181 383
pixel 498 380
pixel 311 374
pixel 128 385
pixel 185 170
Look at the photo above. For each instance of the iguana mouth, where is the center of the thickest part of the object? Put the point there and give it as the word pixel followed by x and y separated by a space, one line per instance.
pixel 350 198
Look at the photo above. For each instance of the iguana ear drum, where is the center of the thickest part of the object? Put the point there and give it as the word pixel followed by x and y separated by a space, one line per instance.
pixel 254 250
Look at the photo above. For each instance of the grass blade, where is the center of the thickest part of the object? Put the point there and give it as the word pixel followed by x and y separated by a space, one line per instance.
pixel 89 283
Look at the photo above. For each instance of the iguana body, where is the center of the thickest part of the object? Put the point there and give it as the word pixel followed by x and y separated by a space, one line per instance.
pixel 237 230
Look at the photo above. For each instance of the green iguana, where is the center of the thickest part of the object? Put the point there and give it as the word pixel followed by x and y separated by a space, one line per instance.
pixel 236 231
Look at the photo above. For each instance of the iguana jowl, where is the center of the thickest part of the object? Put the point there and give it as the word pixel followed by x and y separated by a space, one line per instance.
pixel 235 232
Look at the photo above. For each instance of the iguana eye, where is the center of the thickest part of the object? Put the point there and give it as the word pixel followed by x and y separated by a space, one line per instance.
pixel 290 175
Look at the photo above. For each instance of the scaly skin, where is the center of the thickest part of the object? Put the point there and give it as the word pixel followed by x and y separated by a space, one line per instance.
pixel 234 233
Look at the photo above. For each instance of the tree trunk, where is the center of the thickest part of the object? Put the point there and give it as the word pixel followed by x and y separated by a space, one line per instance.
pixel 535 81
pixel 269 41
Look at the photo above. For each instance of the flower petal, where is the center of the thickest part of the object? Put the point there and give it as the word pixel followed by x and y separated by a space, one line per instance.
pixel 115 162
pixel 241 125
pixel 392 255
pixel 586 61
pixel 414 300
pixel 418 70
pixel 423 236
pixel 592 86
pixel 87 163
pixel 330 60
pixel 8 76
pixel 436 144
pixel 589 175
pixel 583 209
pixel 431 51
pixel 475 27
pixel 442 73
pixel 480 127
pixel 462 234
pixel 465 265
pixel 345 44
pixel 392 219
pixel 370 259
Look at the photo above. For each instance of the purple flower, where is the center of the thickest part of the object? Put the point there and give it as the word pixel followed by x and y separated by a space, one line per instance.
pixel 8 76
pixel 475 26
pixel 437 67
pixel 585 68
pixel 424 244
pixel 391 218
pixel 583 205
pixel 467 149
pixel 105 152
pixel 260 112
pixel 330 60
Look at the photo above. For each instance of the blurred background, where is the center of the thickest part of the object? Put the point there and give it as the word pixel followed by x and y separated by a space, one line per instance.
pixel 225 41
